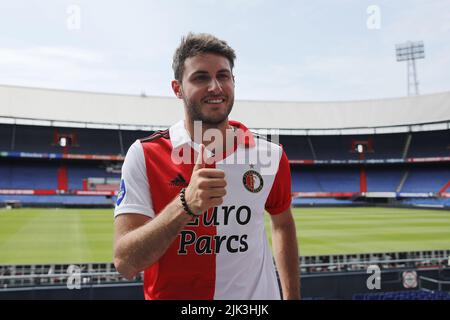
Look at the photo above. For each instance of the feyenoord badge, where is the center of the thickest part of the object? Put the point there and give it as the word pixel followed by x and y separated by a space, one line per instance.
pixel 252 180
pixel 409 279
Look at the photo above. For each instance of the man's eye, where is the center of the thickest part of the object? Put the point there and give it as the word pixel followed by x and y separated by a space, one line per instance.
pixel 223 77
pixel 201 78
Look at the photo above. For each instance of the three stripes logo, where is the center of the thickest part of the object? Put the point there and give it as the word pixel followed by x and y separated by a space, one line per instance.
pixel 178 181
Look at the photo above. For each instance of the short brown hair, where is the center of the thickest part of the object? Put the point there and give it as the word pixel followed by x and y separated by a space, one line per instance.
pixel 194 44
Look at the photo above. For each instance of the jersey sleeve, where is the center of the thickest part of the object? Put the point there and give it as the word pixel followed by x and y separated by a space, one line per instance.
pixel 280 197
pixel 134 194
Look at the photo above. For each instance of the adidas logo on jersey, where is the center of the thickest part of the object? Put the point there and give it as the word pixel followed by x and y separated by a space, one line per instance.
pixel 178 181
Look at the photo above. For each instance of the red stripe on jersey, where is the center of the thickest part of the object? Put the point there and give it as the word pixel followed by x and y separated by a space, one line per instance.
pixel 178 276
pixel 280 196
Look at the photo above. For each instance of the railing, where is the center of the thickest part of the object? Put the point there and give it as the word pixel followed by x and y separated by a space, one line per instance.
pixel 13 276
pixel 351 262
pixel 71 280
pixel 440 284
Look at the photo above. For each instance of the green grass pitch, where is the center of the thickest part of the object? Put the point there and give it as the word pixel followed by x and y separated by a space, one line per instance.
pixel 85 235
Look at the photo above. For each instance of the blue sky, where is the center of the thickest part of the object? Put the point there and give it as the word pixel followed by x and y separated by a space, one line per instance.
pixel 286 50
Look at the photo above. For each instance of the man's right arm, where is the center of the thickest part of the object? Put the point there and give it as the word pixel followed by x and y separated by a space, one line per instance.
pixel 140 241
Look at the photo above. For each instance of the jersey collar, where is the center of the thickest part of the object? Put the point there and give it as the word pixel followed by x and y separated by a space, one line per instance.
pixel 244 136
pixel 180 136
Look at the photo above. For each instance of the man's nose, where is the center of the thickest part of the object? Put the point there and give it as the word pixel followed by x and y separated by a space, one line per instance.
pixel 214 86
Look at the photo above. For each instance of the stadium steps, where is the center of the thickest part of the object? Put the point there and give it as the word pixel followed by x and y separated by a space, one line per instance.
pixel 426 179
pixel 402 181
pixel 313 152
pixel 407 144
pixel 444 188
pixel 404 295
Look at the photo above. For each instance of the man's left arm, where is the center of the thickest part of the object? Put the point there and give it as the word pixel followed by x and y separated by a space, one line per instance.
pixel 285 248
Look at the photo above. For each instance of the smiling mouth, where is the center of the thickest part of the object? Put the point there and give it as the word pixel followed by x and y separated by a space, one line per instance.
pixel 214 101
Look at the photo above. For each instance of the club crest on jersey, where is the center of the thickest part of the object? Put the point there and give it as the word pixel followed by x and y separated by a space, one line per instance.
pixel 122 192
pixel 253 181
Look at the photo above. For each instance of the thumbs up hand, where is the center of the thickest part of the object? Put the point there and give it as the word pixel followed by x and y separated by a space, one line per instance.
pixel 207 186
pixel 200 162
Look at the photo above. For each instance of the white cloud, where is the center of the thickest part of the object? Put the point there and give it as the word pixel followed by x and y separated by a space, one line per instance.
pixel 37 57
pixel 313 78
pixel 53 67
pixel 287 50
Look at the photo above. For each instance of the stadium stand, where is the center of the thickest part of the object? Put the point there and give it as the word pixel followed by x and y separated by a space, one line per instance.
pixel 430 144
pixel 80 171
pixel 326 168
pixel 427 202
pixel 403 295
pixel 325 179
pixel 297 147
pixel 322 150
pixel 34 139
pixel 129 137
pixel 28 175
pixel 61 200
pixel 95 141
pixel 5 137
pixel 31 173
pixel 383 178
pixel 426 179
pixel 343 147
pixel 27 138
pixel 321 201
pixel 384 146
pixel 381 146
pixel 334 147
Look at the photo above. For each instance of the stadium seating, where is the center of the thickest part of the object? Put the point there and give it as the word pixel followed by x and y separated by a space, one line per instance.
pixel 87 141
pixel 129 137
pixel 106 141
pixel 94 141
pixel 296 147
pixel 333 147
pixel 430 144
pixel 5 137
pixel 60 200
pixel 383 146
pixel 429 202
pixel 320 201
pixel 35 139
pixel 379 179
pixel 28 175
pixel 79 171
pixel 421 178
pixel 325 179
pixel 383 178
pixel 426 179
pixel 404 295
pixel 386 146
pixel 304 181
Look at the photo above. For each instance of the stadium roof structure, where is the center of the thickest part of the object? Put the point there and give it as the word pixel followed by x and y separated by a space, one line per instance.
pixel 48 107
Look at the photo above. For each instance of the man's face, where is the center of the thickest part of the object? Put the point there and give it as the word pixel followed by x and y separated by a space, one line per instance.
pixel 207 88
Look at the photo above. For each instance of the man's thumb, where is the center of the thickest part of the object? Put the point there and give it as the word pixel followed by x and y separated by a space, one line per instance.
pixel 200 163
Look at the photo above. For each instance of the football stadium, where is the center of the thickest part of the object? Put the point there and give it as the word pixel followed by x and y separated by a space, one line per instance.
pixel 370 190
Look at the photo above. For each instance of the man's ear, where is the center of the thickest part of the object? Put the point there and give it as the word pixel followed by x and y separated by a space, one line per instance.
pixel 176 87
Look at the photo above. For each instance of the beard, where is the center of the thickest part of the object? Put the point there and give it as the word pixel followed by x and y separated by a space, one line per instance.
pixel 194 111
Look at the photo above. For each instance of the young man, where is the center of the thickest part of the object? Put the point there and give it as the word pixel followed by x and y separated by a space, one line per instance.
pixel 192 217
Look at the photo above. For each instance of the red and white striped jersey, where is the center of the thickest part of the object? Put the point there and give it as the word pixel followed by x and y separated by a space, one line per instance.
pixel 224 254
